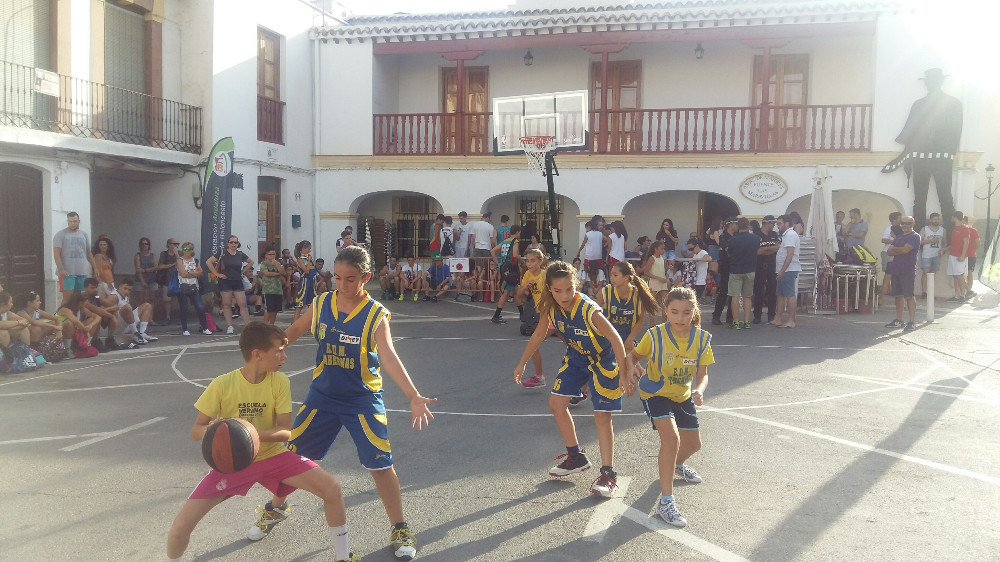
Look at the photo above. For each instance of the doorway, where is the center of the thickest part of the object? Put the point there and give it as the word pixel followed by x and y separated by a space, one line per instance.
pixel 22 253
pixel 712 206
pixel 268 213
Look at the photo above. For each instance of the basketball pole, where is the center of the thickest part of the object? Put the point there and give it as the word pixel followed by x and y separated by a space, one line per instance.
pixel 550 171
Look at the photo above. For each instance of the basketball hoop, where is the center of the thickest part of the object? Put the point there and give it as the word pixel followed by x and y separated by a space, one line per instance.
pixel 535 148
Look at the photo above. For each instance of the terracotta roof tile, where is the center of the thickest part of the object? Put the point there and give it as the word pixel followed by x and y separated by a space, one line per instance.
pixel 615 17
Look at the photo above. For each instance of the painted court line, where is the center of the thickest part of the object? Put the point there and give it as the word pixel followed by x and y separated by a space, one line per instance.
pixel 92 365
pixel 111 434
pixel 923 388
pixel 681 536
pixel 604 516
pixel 869 448
pixel 53 438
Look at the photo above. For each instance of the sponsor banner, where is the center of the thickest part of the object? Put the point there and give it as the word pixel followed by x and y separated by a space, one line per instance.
pixel 217 201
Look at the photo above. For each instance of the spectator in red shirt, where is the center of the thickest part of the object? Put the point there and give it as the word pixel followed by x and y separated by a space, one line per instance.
pixel 973 244
pixel 958 252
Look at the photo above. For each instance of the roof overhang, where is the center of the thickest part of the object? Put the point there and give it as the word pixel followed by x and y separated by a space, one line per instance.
pixel 698 20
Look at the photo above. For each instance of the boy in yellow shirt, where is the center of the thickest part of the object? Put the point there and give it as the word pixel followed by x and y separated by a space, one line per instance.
pixel 261 395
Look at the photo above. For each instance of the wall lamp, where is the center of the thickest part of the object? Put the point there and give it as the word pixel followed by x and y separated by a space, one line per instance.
pixel 699 52
pixel 197 195
pixel 528 59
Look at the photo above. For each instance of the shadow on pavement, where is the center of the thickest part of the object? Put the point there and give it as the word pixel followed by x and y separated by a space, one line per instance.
pixel 800 528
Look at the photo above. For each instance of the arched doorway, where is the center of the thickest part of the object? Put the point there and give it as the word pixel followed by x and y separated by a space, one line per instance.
pixel 22 266
pixel 714 205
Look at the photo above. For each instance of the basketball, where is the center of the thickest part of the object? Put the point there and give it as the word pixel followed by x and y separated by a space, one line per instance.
pixel 230 445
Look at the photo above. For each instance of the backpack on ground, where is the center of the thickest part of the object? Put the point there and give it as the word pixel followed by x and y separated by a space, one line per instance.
pixel 52 348
pixel 859 255
pixel 21 359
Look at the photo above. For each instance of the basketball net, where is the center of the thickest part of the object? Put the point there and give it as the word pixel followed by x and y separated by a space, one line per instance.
pixel 535 148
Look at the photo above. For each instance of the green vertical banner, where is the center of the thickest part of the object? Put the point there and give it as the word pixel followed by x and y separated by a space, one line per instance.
pixel 217 204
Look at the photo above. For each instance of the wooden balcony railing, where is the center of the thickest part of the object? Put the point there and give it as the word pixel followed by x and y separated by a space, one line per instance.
pixel 433 133
pixel 91 110
pixel 270 120
pixel 805 128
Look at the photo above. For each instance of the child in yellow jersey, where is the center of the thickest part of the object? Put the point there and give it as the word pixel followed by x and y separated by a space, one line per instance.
pixel 532 283
pixel 678 351
pixel 260 384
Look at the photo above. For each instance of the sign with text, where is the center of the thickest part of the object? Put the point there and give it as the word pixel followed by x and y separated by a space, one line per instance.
pixel 217 203
pixel 763 187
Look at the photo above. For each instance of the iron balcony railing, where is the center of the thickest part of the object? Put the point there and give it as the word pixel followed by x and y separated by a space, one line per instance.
pixel 38 99
pixel 798 128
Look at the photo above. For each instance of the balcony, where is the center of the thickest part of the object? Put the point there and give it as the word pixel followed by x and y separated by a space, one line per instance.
pixel 270 120
pixel 801 128
pixel 47 101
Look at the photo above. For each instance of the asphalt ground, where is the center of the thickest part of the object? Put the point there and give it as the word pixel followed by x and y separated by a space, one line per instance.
pixel 836 440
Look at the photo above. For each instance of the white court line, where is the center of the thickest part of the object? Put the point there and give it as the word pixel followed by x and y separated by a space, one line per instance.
pixel 53 438
pixel 111 434
pixel 915 378
pixel 109 387
pixel 604 516
pixel 869 448
pixel 81 368
pixel 180 375
pixel 972 384
pixel 681 536
pixel 915 387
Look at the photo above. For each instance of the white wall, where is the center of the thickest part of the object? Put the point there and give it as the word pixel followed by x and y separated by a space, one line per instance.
pixel 346 83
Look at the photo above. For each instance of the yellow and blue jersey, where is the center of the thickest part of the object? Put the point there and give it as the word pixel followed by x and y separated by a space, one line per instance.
pixel 622 311
pixel 347 375
pixel 587 350
pixel 673 362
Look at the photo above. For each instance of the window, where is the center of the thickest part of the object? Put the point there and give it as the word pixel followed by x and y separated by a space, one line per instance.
pixel 270 108
pixel 125 112
pixel 624 85
pixel 414 224
pixel 787 86
pixel 534 217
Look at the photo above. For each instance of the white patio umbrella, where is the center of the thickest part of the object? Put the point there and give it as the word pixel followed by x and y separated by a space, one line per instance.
pixel 821 229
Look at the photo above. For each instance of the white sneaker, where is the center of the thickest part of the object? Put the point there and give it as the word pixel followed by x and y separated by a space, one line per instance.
pixel 185 333
pixel 148 337
pixel 668 511
pixel 229 330
pixel 268 519
pixel 688 474
pixel 207 332
pixel 138 339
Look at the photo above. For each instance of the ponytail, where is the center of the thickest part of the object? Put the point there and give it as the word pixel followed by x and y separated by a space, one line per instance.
pixel 645 294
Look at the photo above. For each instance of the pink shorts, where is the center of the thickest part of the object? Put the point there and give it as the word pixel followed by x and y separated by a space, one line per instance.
pixel 268 473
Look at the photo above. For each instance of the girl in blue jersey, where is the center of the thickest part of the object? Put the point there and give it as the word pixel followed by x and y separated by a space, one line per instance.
pixel 678 351
pixel 307 279
pixel 626 301
pixel 594 353
pixel 355 345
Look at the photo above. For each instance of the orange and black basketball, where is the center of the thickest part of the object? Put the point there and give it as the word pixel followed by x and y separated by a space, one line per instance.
pixel 230 445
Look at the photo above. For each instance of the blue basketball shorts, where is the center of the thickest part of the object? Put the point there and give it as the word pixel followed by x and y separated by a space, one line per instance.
pixel 606 396
pixel 684 413
pixel 314 431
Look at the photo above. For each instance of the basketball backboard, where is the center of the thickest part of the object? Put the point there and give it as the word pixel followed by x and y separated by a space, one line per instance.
pixel 563 115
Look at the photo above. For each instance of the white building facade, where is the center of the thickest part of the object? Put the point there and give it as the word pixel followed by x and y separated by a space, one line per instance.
pixel 109 109
pixel 406 129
